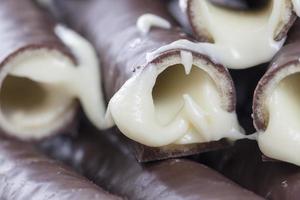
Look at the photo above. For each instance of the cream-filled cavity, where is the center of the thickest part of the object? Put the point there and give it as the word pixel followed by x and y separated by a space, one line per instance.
pixel 28 108
pixel 239 39
pixel 164 105
pixel 40 87
pixel 281 138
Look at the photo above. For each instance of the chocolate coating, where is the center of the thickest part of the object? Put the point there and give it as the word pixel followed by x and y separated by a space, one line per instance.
pixel 243 164
pixel 105 159
pixel 24 27
pixel 111 27
pixel 27 174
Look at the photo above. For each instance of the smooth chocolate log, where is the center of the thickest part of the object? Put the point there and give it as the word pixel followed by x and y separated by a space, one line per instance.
pixel 115 28
pixel 275 111
pixel 251 26
pixel 29 108
pixel 243 164
pixel 27 174
pixel 106 160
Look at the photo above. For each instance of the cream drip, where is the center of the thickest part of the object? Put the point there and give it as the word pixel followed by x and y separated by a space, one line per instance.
pixel 146 21
pixel 60 81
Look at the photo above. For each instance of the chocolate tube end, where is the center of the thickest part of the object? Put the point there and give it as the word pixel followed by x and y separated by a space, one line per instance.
pixel 147 154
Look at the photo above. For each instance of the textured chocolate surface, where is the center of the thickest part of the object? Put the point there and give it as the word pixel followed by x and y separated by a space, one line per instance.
pixel 284 59
pixel 27 174
pixel 105 159
pixel 243 163
pixel 111 27
pixel 24 27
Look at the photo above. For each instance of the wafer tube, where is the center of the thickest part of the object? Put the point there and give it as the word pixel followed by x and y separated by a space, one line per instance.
pixel 243 164
pixel 276 104
pixel 44 69
pixel 242 33
pixel 106 160
pixel 173 101
pixel 28 174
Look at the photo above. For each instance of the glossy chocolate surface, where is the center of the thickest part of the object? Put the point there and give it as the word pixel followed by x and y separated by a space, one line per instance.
pixel 243 163
pixel 27 174
pixel 105 159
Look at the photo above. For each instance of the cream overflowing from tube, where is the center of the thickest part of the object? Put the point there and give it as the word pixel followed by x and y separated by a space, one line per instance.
pixel 281 139
pixel 40 86
pixel 152 107
pixel 174 103
pixel 240 39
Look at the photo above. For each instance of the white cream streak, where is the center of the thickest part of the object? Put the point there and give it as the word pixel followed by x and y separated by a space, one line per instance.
pixel 146 21
pixel 184 108
pixel 187 61
pixel 241 39
pixel 282 137
pixel 296 4
pixel 60 81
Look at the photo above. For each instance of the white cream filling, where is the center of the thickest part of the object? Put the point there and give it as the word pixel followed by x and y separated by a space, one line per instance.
pixel 147 21
pixel 281 140
pixel 173 104
pixel 39 88
pixel 241 39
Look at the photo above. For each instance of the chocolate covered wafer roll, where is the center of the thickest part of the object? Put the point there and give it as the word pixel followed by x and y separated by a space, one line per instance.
pixel 242 33
pixel 27 174
pixel 174 101
pixel 105 159
pixel 43 68
pixel 243 164
pixel 276 110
